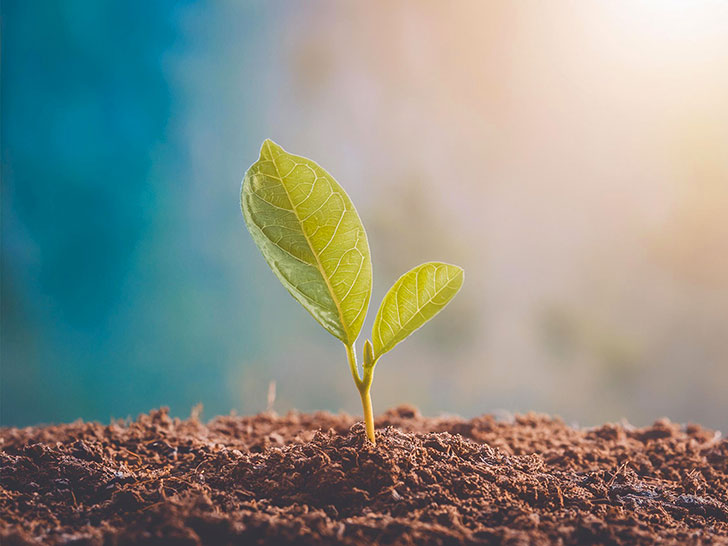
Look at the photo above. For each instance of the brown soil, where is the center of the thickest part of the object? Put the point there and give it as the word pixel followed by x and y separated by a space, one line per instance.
pixel 276 480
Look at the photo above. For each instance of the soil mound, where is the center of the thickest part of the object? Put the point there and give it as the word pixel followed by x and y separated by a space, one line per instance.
pixel 314 479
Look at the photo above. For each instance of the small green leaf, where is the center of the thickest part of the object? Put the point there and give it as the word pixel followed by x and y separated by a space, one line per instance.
pixel 368 353
pixel 311 236
pixel 414 299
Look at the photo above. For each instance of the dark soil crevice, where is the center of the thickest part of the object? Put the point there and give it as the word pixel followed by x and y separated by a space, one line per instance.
pixel 314 479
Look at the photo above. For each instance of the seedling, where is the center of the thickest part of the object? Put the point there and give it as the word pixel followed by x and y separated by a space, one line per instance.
pixel 312 238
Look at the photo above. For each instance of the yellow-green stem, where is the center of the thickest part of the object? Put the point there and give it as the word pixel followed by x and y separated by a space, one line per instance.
pixel 351 357
pixel 363 385
pixel 366 404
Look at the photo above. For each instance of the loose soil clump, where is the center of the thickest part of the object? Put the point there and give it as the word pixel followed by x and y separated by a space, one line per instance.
pixel 314 479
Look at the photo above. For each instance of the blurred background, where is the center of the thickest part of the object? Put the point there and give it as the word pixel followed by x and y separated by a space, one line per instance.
pixel 571 156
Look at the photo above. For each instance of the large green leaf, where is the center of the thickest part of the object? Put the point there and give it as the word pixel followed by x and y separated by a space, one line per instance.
pixel 311 236
pixel 415 298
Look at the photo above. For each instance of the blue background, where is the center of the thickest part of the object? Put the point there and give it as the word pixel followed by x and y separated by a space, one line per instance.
pixel 570 157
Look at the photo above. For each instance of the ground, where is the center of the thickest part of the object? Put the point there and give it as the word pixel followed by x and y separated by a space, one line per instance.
pixel 314 479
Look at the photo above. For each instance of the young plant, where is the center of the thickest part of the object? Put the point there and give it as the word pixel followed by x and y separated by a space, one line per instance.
pixel 312 238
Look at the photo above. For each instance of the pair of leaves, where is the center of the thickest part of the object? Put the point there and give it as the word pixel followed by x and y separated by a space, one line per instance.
pixel 312 238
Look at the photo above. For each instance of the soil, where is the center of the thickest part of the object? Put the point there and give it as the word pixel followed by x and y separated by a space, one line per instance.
pixel 314 479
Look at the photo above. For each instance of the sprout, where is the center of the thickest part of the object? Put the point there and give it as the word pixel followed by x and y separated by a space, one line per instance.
pixel 312 238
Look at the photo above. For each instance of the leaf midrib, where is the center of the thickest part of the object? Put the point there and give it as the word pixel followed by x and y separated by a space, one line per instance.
pixel 310 246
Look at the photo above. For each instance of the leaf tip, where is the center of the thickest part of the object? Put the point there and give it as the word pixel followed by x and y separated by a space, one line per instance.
pixel 269 149
pixel 461 274
pixel 455 268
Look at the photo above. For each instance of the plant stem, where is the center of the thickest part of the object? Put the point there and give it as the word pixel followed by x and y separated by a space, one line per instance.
pixel 366 404
pixel 351 357
pixel 363 385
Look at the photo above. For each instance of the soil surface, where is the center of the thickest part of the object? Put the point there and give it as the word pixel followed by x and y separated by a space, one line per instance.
pixel 314 479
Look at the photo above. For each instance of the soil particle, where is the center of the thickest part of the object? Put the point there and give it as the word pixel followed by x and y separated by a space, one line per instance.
pixel 314 479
